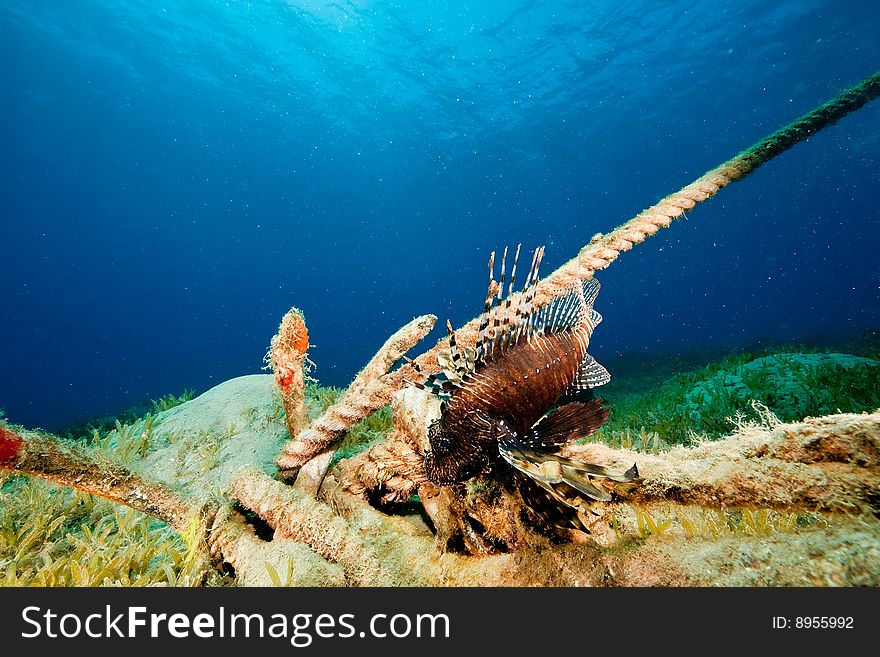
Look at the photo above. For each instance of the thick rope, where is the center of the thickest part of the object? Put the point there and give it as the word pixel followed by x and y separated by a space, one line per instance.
pixel 42 455
pixel 605 249
pixel 366 394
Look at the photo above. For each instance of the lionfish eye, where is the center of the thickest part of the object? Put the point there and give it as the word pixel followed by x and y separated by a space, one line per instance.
pixel 443 442
pixel 439 441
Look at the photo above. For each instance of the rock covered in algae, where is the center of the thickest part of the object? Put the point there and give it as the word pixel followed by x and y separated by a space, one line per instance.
pixel 201 443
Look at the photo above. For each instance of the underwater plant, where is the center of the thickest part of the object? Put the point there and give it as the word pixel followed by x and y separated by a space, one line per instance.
pixel 55 536
pixel 705 403
pixel 170 401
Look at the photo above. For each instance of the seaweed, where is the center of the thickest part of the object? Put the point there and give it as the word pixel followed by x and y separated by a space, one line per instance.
pixel 710 401
pixel 56 536
pixel 199 452
pixel 51 536
pixel 720 523
pixel 127 442
pixel 321 398
pixel 648 526
pixel 170 401
pixel 288 580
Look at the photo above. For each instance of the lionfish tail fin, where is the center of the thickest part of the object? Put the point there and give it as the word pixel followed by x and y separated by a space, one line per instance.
pixel 590 374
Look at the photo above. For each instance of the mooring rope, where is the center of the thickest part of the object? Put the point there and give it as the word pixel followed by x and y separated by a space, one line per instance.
pixel 604 249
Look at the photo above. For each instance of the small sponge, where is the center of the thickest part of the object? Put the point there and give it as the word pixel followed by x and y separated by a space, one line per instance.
pixel 288 360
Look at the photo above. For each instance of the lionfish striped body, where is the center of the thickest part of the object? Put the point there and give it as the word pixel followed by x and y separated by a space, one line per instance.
pixel 498 399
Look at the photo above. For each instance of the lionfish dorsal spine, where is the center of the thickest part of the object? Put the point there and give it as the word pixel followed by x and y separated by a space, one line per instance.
pixel 533 288
pixel 495 319
pixel 505 330
pixel 510 318
pixel 501 323
pixel 487 306
pixel 524 303
pixel 518 316
pixel 455 354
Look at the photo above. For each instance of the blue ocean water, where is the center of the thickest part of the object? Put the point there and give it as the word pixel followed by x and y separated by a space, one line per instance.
pixel 176 174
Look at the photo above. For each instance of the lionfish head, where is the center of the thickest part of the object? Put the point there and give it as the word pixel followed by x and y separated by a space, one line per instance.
pixel 450 459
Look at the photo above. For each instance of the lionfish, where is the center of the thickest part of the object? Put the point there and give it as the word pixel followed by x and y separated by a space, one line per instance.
pixel 519 393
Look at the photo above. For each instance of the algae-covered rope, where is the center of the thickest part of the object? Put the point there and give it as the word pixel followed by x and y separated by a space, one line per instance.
pixel 68 464
pixel 604 249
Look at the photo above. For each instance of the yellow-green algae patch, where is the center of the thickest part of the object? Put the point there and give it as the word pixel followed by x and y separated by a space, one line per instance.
pixel 52 536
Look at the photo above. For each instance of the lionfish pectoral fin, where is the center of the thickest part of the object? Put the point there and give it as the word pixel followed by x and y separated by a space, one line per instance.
pixel 572 309
pixel 575 498
pixel 583 485
pixel 552 477
pixel 568 422
pixel 598 471
pixel 556 474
